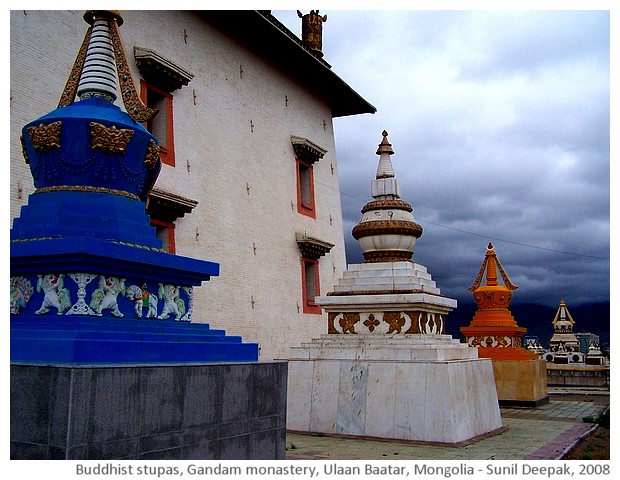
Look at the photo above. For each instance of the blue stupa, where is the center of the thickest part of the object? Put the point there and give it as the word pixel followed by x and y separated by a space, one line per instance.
pixel 90 282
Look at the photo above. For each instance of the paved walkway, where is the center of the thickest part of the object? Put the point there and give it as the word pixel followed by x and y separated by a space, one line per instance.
pixel 546 432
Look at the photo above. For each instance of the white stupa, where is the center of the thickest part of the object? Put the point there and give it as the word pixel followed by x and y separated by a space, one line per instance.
pixel 387 368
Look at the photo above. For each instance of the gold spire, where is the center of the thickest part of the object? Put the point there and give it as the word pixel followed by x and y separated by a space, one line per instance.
pixel 385 146
pixel 559 316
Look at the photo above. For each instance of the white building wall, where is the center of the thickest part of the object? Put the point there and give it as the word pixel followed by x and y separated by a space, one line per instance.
pixel 232 129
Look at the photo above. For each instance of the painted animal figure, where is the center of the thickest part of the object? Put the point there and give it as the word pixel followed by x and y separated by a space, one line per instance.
pixel 105 297
pixel 55 295
pixel 142 298
pixel 173 304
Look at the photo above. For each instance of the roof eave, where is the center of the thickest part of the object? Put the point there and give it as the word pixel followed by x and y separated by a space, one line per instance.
pixel 260 31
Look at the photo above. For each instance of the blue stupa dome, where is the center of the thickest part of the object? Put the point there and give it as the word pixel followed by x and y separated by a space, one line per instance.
pixel 91 143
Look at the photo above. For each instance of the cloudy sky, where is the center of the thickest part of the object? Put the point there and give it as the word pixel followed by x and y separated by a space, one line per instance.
pixel 500 123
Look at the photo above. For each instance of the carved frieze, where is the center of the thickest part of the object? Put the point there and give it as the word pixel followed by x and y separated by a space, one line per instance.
pixel 21 291
pixel 386 323
pixel 55 295
pixel 99 295
pixel 493 341
pixel 86 188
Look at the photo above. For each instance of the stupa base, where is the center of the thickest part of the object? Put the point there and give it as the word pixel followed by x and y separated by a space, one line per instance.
pixel 521 382
pixel 426 388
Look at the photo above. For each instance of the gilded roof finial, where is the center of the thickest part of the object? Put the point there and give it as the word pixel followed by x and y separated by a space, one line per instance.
pixel 312 30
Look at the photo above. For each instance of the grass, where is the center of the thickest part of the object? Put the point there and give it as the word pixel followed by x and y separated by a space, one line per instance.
pixel 597 445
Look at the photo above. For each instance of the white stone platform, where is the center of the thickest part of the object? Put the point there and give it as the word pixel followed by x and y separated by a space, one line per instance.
pixel 386 276
pixel 428 388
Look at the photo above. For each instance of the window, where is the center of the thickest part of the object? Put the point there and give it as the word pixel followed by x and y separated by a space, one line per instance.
pixel 161 78
pixel 310 285
pixel 165 233
pixel 311 250
pixel 161 125
pixel 165 208
pixel 305 189
pixel 306 155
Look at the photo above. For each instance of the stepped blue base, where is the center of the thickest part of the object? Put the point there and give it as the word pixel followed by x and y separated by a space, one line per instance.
pixel 78 333
pixel 87 340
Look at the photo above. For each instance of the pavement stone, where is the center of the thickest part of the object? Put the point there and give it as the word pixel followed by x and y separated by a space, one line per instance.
pixel 546 432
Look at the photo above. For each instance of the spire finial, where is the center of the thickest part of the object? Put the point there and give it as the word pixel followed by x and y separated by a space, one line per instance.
pixel 385 146
pixel 101 67
pixel 385 169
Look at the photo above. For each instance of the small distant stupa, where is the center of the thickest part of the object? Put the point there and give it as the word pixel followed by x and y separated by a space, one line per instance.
pixel 563 338
pixel 574 359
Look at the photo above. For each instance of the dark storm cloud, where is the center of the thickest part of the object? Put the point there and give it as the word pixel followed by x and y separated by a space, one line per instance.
pixel 500 124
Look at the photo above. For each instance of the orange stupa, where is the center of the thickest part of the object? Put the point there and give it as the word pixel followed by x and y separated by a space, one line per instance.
pixel 493 329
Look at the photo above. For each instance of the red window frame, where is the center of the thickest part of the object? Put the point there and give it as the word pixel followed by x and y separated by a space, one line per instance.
pixel 166 145
pixel 170 227
pixel 309 306
pixel 305 198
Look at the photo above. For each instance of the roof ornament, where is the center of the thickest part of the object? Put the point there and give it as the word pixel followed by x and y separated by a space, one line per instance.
pixel 100 61
pixel 312 31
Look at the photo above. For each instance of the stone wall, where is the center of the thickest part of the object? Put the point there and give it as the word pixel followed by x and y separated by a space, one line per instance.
pixel 219 411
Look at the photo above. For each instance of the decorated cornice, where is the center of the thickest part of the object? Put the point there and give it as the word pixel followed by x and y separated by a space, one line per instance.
pixel 160 71
pixel 312 248
pixel 168 206
pixel 306 150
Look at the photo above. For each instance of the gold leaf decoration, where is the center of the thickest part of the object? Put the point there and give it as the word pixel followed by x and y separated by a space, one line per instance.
pixel 24 152
pixel 136 109
pixel 110 140
pixel 70 90
pixel 348 321
pixel 45 137
pixel 152 154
